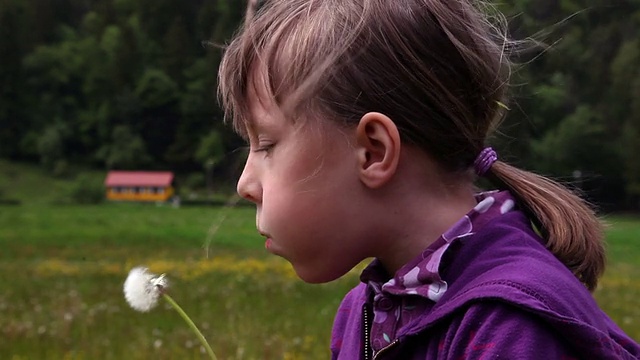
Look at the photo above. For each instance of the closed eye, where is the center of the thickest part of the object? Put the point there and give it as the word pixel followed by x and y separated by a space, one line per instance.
pixel 264 148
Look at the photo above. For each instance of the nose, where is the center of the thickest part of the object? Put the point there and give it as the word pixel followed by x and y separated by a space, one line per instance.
pixel 248 186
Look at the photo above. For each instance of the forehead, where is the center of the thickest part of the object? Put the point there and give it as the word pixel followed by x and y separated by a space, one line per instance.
pixel 294 42
pixel 262 108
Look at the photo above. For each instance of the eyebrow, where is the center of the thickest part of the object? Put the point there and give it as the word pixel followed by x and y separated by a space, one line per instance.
pixel 254 127
pixel 258 123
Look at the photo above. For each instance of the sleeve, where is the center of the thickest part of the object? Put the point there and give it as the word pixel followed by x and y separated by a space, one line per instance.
pixel 496 330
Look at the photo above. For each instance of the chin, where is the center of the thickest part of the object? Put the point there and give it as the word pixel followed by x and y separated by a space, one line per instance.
pixel 316 276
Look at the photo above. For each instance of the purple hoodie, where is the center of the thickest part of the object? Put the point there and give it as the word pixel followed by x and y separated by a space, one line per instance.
pixel 486 289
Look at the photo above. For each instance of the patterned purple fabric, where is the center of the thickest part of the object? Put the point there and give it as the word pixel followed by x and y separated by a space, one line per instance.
pixel 487 288
pixel 421 276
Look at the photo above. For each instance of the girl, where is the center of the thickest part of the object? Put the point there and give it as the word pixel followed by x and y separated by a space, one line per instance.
pixel 367 122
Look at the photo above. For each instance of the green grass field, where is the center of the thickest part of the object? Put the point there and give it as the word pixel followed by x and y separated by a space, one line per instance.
pixel 62 268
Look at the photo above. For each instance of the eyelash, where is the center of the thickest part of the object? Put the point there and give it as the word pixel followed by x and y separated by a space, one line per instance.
pixel 265 148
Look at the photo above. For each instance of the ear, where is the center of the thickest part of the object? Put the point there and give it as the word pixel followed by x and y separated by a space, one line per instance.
pixel 378 149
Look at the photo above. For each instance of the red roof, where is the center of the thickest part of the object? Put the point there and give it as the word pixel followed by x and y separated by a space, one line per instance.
pixel 138 178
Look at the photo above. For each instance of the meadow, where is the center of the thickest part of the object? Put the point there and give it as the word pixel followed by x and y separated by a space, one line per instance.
pixel 62 270
pixel 62 267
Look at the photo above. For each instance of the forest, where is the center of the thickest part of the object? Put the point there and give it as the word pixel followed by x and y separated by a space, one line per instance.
pixel 131 84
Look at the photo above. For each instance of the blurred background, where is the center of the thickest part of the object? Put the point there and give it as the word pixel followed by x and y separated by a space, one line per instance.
pixel 92 86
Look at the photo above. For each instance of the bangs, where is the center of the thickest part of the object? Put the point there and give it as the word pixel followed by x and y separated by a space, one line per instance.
pixel 287 52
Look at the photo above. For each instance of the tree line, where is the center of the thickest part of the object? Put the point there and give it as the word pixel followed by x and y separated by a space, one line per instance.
pixel 124 84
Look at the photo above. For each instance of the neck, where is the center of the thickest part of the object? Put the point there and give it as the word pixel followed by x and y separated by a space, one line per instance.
pixel 419 209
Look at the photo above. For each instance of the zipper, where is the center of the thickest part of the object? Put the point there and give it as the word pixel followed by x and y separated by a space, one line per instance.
pixel 367 319
pixel 375 356
pixel 366 335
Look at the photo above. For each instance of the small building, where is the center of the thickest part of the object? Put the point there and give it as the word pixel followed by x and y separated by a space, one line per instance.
pixel 139 185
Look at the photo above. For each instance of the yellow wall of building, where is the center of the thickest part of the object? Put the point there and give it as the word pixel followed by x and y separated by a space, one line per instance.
pixel 144 194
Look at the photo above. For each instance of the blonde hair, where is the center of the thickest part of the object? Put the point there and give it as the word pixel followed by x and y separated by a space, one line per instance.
pixel 438 68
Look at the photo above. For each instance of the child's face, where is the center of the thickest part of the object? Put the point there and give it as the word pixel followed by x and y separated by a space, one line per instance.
pixel 304 183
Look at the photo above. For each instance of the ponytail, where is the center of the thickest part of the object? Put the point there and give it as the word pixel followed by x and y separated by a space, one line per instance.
pixel 572 231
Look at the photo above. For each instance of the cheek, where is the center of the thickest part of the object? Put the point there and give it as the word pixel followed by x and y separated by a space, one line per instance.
pixel 308 191
pixel 297 220
pixel 288 210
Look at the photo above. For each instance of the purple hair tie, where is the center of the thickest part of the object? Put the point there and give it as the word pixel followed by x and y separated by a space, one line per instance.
pixel 485 159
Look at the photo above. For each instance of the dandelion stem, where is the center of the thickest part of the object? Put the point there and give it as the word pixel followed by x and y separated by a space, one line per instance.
pixel 191 325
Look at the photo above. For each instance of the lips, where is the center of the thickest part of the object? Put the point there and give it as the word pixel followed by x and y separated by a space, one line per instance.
pixel 268 241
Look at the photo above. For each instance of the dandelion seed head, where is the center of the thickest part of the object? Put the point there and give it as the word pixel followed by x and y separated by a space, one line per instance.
pixel 142 289
pixel 157 343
